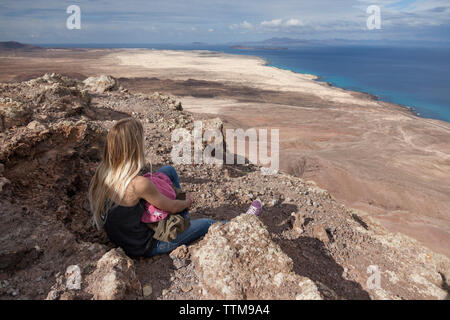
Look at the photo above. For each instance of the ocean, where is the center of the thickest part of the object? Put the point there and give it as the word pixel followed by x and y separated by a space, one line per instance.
pixel 418 78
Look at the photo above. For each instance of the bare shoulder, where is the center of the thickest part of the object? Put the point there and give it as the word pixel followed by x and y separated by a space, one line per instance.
pixel 142 185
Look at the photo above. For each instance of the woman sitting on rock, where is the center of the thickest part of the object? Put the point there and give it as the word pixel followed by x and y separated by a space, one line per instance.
pixel 120 198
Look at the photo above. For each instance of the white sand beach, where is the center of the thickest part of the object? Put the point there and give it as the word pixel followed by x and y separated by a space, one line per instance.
pixel 222 67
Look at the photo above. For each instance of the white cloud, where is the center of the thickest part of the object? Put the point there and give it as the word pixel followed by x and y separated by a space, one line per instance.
pixel 131 21
pixel 271 23
pixel 246 25
pixel 293 23
pixel 243 25
pixel 280 23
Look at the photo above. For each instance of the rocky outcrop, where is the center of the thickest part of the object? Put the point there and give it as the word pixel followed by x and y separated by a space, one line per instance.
pixel 101 84
pixel 180 256
pixel 114 278
pixel 41 100
pixel 212 124
pixel 168 101
pixel 238 260
pixel 13 113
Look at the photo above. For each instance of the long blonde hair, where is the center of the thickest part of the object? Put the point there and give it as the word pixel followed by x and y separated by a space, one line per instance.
pixel 123 158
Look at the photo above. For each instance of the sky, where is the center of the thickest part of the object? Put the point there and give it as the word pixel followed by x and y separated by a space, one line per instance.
pixel 222 21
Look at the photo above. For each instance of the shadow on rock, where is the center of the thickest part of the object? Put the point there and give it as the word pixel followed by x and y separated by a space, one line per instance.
pixel 445 285
pixel 194 180
pixel 311 258
pixel 235 171
pixel 224 212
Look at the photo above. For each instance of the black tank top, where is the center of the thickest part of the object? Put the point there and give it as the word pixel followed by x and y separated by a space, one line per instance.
pixel 124 228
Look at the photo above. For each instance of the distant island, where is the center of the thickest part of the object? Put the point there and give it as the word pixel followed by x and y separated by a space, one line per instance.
pixel 14 45
pixel 243 47
pixel 273 44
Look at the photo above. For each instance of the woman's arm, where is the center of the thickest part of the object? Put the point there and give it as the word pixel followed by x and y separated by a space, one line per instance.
pixel 145 189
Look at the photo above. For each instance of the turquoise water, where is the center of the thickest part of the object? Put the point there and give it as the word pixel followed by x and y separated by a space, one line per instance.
pixel 415 77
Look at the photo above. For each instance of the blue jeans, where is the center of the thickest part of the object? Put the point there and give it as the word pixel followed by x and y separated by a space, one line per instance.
pixel 197 228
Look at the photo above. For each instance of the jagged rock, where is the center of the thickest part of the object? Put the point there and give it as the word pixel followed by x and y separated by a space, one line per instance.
pixel 176 106
pixel 60 291
pixel 238 260
pixel 58 95
pixel 44 99
pixel 274 202
pixel 60 133
pixel 71 284
pixel 35 125
pixel 73 276
pixel 101 84
pixel 212 124
pixel 13 113
pixel 55 78
pixel 296 220
pixel 166 101
pixel 180 256
pixel 297 225
pixel 114 277
pixel 320 233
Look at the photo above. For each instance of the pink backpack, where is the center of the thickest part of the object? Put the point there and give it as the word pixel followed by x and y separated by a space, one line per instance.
pixel 164 185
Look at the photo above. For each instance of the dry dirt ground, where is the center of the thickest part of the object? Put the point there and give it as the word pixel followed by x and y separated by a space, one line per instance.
pixel 51 136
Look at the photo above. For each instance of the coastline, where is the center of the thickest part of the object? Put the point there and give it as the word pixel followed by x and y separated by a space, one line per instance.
pixel 421 108
pixel 309 81
pixel 370 96
pixel 374 156
pixel 318 78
